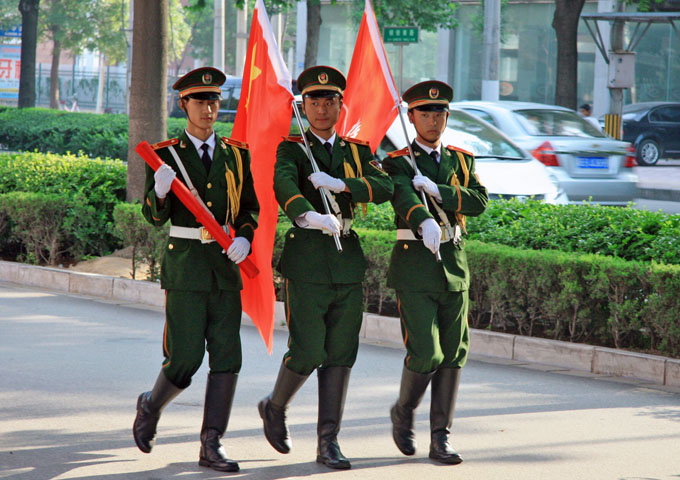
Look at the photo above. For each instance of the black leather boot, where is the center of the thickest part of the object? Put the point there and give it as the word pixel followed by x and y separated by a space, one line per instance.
pixel 444 391
pixel 149 408
pixel 411 391
pixel 333 383
pixel 219 396
pixel 273 408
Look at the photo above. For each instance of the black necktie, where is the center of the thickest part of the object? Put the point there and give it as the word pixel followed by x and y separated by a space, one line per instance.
pixel 435 156
pixel 206 157
pixel 329 148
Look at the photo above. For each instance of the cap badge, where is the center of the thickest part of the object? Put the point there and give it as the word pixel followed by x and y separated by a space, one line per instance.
pixel 323 78
pixel 207 78
pixel 434 92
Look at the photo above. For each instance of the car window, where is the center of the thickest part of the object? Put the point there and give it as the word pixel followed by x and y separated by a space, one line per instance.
pixel 665 114
pixel 384 148
pixel 481 114
pixel 542 122
pixel 479 137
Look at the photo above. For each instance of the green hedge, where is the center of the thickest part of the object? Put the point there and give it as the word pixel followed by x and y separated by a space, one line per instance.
pixel 55 131
pixel 626 233
pixel 147 241
pixel 46 227
pixel 95 183
pixel 574 297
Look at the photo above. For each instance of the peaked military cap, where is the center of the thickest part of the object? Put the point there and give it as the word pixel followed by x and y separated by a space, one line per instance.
pixel 431 93
pixel 203 83
pixel 320 80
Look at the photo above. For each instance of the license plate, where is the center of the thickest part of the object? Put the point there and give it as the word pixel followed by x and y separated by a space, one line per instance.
pixel 601 163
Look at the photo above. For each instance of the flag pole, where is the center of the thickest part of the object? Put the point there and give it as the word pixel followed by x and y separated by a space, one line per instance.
pixel 413 163
pixel 315 167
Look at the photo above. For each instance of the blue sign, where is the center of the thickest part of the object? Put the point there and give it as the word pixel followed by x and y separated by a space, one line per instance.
pixel 14 31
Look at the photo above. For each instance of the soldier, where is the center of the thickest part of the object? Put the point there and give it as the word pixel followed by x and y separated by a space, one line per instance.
pixel 203 302
pixel 323 295
pixel 433 305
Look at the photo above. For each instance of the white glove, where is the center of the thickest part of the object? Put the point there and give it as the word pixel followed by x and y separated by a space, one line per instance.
pixel 163 178
pixel 422 183
pixel 238 250
pixel 327 223
pixel 322 179
pixel 432 234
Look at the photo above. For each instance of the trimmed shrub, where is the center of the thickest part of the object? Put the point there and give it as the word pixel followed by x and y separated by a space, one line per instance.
pixel 96 183
pixel 48 225
pixel 95 135
pixel 637 235
pixel 580 298
pixel 147 241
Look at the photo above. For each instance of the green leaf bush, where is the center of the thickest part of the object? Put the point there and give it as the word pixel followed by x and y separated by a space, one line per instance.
pixel 94 183
pixel 95 135
pixel 573 297
pixel 48 226
pixel 625 233
pixel 147 241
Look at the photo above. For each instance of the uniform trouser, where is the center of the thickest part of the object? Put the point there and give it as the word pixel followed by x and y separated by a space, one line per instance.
pixel 324 322
pixel 195 321
pixel 435 329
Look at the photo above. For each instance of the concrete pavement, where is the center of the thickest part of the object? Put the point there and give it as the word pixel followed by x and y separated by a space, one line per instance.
pixel 650 369
pixel 660 182
pixel 73 366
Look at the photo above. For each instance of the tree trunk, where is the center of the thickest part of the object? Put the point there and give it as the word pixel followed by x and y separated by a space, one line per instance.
pixel 148 87
pixel 54 70
pixel 29 42
pixel 313 27
pixel 565 22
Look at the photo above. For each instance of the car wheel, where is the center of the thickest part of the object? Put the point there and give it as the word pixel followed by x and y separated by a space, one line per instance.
pixel 648 152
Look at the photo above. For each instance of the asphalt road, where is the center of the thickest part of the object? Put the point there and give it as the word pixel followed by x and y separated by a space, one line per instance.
pixel 71 369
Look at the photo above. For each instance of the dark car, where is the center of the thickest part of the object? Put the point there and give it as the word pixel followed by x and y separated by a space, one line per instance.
pixel 654 130
pixel 231 93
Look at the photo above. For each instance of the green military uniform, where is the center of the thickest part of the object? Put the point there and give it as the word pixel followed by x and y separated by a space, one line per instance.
pixel 202 284
pixel 462 194
pixel 201 268
pixel 323 294
pixel 433 305
pixel 334 277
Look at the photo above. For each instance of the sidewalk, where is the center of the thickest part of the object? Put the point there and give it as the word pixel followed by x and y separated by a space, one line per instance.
pixel 660 182
pixel 578 359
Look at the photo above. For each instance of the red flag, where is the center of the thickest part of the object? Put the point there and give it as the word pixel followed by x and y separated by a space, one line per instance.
pixel 263 116
pixel 369 82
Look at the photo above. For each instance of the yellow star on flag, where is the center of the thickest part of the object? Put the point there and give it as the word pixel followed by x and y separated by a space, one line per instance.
pixel 254 73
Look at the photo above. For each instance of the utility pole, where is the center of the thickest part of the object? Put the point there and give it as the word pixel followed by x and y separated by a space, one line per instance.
pixel 617 46
pixel 218 36
pixel 241 38
pixel 492 50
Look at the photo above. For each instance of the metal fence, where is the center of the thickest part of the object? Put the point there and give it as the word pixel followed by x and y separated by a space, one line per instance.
pixel 78 90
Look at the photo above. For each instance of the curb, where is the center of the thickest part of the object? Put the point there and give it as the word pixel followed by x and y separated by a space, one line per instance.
pixel 652 369
pixel 662 194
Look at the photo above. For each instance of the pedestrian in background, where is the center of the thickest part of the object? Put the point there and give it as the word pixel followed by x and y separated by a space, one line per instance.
pixel 585 110
pixel 433 305
pixel 322 289
pixel 202 283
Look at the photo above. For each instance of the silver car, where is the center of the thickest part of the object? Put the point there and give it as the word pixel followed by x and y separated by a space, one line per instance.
pixel 503 168
pixel 588 165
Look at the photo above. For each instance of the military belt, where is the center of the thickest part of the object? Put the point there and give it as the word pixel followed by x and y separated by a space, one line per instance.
pixel 406 234
pixel 194 233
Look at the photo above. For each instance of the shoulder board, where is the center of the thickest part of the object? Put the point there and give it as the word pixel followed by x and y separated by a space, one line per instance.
pixel 235 143
pixel 355 140
pixel 166 143
pixel 398 153
pixel 294 139
pixel 458 149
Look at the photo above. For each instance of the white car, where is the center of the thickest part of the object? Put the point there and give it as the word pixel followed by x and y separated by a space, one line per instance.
pixel 504 169
pixel 588 165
